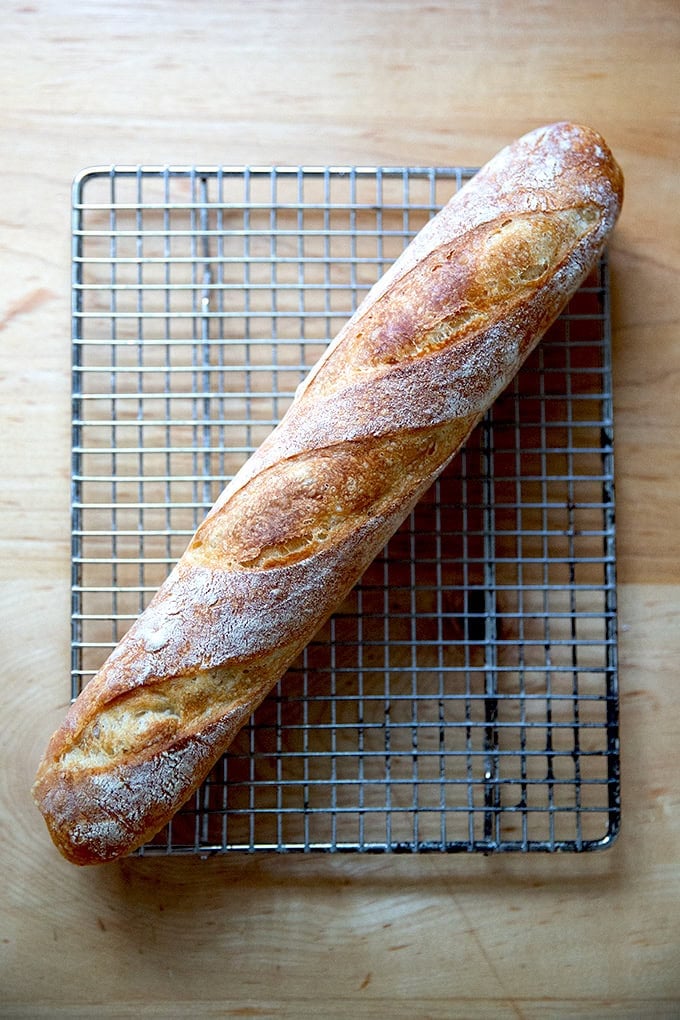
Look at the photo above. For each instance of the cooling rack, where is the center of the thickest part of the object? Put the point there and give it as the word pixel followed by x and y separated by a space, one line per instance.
pixel 464 697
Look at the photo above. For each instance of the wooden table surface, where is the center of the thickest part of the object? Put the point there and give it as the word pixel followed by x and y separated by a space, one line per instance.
pixel 304 82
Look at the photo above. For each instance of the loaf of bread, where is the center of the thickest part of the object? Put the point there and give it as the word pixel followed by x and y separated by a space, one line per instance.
pixel 381 414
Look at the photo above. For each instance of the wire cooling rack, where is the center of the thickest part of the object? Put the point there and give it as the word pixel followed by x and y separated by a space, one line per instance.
pixel 464 698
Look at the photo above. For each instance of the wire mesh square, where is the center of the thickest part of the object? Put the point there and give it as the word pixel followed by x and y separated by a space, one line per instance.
pixel 464 697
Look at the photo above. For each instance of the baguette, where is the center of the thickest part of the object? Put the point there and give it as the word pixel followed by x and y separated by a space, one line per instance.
pixel 377 419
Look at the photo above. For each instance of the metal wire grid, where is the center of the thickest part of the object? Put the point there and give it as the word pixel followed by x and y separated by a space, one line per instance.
pixel 465 696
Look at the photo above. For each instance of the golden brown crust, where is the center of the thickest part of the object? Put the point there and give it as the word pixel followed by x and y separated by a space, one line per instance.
pixel 391 401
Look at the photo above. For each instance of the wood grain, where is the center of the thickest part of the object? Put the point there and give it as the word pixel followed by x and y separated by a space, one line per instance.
pixel 391 82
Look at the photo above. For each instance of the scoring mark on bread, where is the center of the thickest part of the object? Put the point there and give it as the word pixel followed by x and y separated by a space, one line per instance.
pixel 456 289
pixel 306 502
pixel 141 720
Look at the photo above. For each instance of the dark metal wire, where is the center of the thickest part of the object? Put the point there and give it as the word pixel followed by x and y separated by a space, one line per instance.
pixel 465 696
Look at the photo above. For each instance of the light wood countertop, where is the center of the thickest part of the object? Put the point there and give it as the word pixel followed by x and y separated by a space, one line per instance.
pixel 313 83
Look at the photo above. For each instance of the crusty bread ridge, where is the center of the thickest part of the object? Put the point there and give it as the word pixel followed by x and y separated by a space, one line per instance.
pixel 384 410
